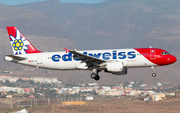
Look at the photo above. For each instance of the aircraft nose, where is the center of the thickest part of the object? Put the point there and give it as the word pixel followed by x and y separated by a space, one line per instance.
pixel 172 59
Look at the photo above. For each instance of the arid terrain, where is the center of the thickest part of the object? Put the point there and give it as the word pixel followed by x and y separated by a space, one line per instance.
pixel 105 105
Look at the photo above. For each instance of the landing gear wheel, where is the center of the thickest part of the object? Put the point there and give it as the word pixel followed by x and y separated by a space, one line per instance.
pixel 93 75
pixel 97 77
pixel 154 74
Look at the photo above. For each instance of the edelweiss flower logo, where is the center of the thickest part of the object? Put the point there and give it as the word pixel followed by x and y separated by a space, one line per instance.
pixel 19 43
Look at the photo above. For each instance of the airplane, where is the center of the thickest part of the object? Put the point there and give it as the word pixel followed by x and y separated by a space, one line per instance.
pixel 114 61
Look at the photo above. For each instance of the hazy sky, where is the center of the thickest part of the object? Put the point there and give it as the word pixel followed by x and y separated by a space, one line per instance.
pixel 16 2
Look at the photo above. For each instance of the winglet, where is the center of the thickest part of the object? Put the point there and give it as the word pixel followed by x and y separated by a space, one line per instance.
pixel 67 50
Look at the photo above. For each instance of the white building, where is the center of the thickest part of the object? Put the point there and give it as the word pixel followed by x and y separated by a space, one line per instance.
pixel 159 84
pixel 22 111
pixel 143 85
pixel 93 84
pixel 7 89
pixel 107 88
pixel 89 98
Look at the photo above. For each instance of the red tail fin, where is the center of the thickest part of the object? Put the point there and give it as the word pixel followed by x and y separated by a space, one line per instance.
pixel 20 45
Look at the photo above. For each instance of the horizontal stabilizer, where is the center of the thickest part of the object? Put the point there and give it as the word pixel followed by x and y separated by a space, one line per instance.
pixel 16 57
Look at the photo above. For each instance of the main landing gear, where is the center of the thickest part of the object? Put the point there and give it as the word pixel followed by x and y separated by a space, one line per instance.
pixel 95 75
pixel 153 74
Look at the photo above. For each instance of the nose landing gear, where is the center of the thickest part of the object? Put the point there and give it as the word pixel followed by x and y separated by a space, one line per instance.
pixel 153 74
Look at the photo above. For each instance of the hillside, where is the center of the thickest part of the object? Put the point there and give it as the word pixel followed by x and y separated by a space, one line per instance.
pixel 117 23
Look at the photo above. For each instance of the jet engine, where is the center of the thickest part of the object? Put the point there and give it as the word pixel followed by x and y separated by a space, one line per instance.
pixel 116 68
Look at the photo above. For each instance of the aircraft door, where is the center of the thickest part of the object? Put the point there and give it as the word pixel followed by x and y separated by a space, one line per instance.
pixel 39 59
pixel 152 54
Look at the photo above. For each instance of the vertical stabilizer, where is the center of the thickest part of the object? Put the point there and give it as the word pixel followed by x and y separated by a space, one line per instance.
pixel 20 45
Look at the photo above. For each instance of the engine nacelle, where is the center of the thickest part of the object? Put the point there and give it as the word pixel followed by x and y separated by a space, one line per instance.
pixel 123 72
pixel 116 68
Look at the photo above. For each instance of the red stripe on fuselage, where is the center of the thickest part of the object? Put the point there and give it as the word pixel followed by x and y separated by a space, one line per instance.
pixel 155 56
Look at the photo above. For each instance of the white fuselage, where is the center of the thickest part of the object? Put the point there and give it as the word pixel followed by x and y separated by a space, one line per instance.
pixel 65 61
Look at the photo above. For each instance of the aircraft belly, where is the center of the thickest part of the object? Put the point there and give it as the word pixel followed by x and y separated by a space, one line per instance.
pixel 61 65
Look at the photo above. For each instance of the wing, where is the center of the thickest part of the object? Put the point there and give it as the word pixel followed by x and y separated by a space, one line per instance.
pixel 90 61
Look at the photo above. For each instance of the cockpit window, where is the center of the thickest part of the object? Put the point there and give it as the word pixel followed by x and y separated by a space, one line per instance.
pixel 164 53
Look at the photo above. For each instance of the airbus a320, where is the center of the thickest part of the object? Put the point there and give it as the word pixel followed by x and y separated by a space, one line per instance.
pixel 114 61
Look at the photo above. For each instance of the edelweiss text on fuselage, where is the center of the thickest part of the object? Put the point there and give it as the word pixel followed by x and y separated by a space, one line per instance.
pixel 105 56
